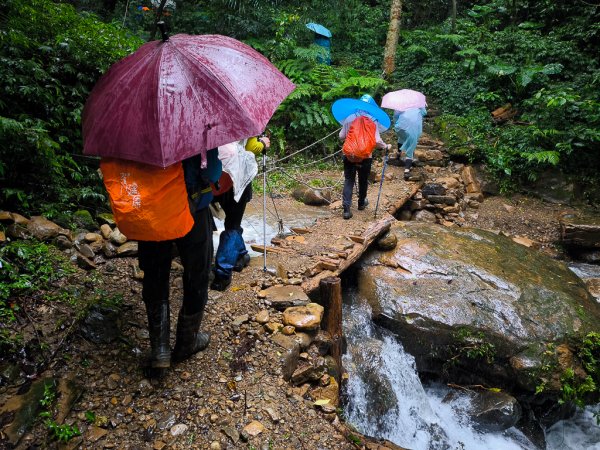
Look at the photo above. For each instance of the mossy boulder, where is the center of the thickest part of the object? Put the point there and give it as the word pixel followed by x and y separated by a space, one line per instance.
pixel 479 308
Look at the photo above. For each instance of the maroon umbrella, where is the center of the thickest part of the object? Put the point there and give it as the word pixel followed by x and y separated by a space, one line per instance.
pixel 177 98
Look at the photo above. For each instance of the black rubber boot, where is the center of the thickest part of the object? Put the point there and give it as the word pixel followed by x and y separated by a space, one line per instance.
pixel 242 262
pixel 159 330
pixel 189 339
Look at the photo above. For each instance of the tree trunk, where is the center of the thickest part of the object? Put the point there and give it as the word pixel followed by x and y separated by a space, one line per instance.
pixel 389 54
pixel 453 15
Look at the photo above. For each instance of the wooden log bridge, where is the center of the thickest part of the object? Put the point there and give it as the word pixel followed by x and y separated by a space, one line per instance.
pixel 332 244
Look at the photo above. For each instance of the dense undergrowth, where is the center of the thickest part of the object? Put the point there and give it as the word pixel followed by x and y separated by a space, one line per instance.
pixel 541 57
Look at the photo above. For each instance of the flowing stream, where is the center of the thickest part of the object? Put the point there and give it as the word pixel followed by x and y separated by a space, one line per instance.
pixel 386 398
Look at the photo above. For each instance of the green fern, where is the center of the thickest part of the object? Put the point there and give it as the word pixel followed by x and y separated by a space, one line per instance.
pixel 543 157
pixel 352 86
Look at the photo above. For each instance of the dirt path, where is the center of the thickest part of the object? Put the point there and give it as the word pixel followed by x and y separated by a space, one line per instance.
pixel 232 395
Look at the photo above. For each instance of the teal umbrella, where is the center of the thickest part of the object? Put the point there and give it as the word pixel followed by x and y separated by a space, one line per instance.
pixel 319 29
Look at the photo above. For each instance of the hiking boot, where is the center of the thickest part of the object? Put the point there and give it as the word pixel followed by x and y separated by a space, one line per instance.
pixel 159 331
pixel 362 205
pixel 407 175
pixel 347 213
pixel 242 262
pixel 220 284
pixel 189 340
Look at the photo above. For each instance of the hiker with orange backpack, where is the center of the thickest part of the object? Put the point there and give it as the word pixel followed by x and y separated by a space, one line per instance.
pixel 162 208
pixel 361 136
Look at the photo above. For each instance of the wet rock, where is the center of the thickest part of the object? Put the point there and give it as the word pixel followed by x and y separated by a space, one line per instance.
pixel 472 288
pixel 69 392
pixel 424 216
pixel 94 433
pixel 433 189
pixel 117 238
pixel 303 339
pixel 25 408
pixel 105 231
pixel 495 411
pixel 262 317
pixel 282 297
pixel 312 197
pixel 442 199
pixel 109 250
pixel 106 219
pixel 309 372
pixel 102 325
pixel 288 358
pixel 580 232
pixel 44 229
pixel 83 219
pixel 63 242
pixel 84 262
pixel 304 317
pixel 18 231
pixel 128 249
pixel 329 392
pixel 387 242
pixel 85 250
pixel 469 178
pixel 323 342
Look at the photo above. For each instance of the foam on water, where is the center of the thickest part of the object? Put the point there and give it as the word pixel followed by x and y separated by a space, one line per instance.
pixel 423 419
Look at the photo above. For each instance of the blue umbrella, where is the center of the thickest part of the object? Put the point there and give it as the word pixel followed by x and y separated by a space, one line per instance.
pixel 345 107
pixel 319 29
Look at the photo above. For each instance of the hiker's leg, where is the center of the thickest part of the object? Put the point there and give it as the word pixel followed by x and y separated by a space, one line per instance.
pixel 349 176
pixel 363 180
pixel 195 250
pixel 155 260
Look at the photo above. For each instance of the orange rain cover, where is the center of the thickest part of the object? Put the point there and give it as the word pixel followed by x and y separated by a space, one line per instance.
pixel 360 140
pixel 149 203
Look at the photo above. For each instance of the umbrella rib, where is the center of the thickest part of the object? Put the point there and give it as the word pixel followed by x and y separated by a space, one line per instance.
pixel 232 95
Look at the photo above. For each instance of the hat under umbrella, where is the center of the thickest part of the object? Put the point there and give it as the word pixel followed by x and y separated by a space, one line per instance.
pixel 346 107
pixel 403 99
pixel 177 98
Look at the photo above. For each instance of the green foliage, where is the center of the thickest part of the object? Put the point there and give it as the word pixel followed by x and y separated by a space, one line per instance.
pixel 50 56
pixel 61 433
pixel 27 266
pixel 472 346
pixel 544 66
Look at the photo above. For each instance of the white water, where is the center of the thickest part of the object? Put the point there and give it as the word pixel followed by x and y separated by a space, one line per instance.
pixel 252 222
pixel 421 419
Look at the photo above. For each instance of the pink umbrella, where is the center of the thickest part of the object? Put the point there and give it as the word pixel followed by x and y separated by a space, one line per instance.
pixel 403 99
pixel 179 97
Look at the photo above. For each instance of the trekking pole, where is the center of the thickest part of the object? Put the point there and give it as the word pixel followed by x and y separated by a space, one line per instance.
pixel 264 167
pixel 385 160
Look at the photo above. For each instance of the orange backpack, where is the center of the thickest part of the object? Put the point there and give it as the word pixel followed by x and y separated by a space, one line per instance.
pixel 149 203
pixel 360 140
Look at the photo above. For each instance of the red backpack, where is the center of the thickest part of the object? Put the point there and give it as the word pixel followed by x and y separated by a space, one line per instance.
pixel 360 140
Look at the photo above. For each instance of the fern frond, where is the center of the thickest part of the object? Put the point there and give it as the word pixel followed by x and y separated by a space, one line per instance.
pixel 543 157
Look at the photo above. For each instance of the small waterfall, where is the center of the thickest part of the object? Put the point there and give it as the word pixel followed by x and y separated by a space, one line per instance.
pixel 385 398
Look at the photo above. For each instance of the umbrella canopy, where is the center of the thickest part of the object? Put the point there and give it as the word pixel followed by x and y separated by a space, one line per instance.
pixel 345 107
pixel 319 29
pixel 403 99
pixel 177 98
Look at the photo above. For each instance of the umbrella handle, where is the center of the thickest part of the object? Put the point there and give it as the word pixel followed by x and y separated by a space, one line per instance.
pixel 163 30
